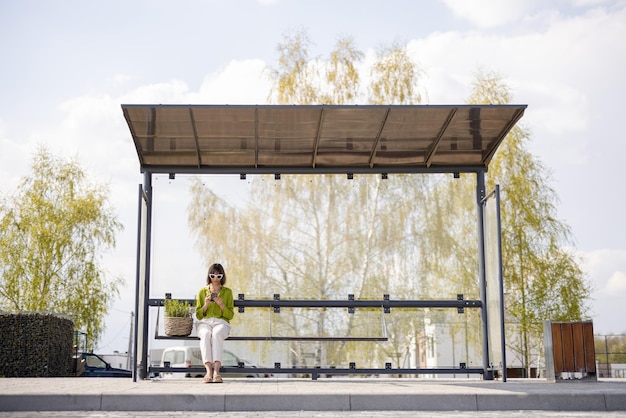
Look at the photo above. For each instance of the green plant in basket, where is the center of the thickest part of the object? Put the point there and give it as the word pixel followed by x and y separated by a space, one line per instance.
pixel 178 320
pixel 177 308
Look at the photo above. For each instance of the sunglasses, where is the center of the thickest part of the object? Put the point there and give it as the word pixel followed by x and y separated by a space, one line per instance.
pixel 216 276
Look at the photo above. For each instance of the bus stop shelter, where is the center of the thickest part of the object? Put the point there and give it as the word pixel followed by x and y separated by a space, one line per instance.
pixel 314 139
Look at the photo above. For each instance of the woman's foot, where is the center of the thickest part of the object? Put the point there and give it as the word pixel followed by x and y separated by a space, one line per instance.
pixel 208 377
pixel 217 378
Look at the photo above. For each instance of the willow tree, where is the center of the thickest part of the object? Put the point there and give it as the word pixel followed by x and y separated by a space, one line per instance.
pixel 395 80
pixel 341 73
pixel 395 77
pixel 53 232
pixel 320 237
pixel 313 238
pixel 543 280
pixel 301 80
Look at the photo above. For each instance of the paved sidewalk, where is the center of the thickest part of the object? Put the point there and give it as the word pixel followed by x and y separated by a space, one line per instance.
pixel 309 414
pixel 336 394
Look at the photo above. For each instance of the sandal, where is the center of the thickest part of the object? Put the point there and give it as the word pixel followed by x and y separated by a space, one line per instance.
pixel 207 379
pixel 217 379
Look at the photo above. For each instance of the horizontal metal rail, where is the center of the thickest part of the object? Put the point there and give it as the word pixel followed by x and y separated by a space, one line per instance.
pixel 361 303
pixel 315 372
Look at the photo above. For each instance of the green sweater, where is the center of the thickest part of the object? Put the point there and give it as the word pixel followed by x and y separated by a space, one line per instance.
pixel 214 310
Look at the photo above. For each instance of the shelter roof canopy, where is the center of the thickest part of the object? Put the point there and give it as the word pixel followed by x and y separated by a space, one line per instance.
pixel 231 139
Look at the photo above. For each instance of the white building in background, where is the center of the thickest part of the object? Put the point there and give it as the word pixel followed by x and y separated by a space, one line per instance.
pixel 455 340
pixel 439 346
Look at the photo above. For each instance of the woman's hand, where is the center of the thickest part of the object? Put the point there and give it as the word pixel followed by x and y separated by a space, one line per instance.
pixel 207 301
pixel 219 302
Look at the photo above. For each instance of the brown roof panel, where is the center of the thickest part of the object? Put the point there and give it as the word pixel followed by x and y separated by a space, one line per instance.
pixel 215 139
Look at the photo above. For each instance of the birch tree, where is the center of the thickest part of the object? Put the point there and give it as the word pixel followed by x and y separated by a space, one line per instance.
pixel 542 276
pixel 53 232
pixel 320 237
pixel 324 237
pixel 395 77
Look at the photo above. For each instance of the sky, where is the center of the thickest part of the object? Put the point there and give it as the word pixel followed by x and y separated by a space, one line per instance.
pixel 67 66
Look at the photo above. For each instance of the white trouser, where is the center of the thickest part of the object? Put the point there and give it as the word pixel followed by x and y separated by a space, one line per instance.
pixel 212 333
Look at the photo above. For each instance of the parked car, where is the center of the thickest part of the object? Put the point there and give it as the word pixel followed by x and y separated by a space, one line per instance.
pixel 95 366
pixel 190 356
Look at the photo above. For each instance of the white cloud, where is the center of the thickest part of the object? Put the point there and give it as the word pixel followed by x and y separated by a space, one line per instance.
pixel 240 82
pixel 175 91
pixel 582 3
pixel 606 269
pixel 617 283
pixel 487 13
pixel 93 128
pixel 604 262
pixel 565 73
pixel 555 98
pixel 121 78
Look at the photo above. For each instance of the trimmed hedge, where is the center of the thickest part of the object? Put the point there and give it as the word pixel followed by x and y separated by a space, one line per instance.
pixel 35 344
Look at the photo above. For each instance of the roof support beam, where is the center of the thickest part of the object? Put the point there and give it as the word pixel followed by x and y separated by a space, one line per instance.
pixel 256 137
pixel 433 149
pixel 317 138
pixel 151 129
pixel 195 136
pixel 380 131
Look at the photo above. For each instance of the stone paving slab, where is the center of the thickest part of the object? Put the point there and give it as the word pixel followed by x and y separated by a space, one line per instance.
pixel 336 394
pixel 310 414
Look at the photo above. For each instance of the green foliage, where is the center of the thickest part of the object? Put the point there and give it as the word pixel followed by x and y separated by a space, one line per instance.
pixel 342 76
pixel 295 74
pixel 53 231
pixel 409 236
pixel 319 237
pixel 543 279
pixel 177 308
pixel 395 78
pixel 300 80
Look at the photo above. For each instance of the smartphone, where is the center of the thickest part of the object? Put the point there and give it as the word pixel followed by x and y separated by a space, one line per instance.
pixel 213 296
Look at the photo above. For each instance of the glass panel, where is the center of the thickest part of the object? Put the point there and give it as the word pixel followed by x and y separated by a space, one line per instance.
pixel 229 359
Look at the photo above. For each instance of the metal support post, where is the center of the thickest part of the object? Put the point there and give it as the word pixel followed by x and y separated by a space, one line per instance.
pixel 147 181
pixel 482 275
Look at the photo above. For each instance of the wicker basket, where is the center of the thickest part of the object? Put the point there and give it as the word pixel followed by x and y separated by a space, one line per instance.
pixel 178 326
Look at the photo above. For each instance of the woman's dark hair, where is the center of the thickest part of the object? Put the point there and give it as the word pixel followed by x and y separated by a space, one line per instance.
pixel 216 269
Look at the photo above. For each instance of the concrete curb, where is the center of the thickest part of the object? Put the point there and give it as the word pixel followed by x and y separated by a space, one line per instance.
pixel 87 394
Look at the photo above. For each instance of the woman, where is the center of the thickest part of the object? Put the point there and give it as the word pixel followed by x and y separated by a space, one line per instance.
pixel 214 310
